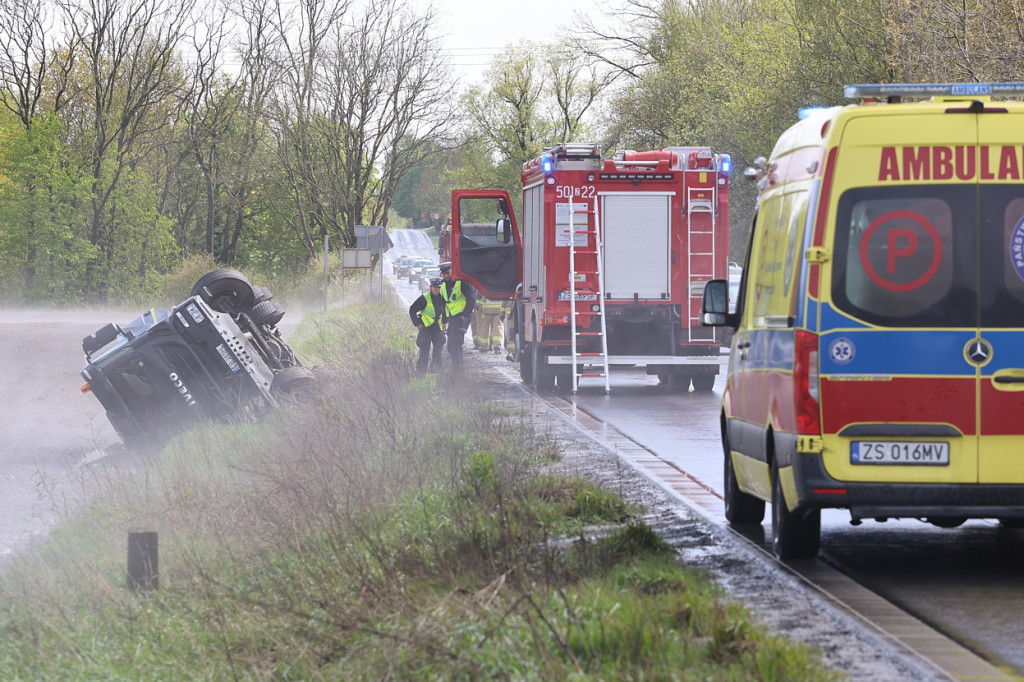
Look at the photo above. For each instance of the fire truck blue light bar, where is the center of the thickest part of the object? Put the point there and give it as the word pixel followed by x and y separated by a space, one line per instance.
pixel 932 90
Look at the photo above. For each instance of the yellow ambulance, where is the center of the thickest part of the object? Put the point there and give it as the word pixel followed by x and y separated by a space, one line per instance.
pixel 877 363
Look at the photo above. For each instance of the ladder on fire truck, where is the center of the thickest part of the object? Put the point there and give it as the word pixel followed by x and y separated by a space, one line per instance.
pixel 698 202
pixel 590 363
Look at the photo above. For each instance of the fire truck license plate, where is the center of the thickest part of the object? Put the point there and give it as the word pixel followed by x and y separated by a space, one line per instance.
pixel 898 452
pixel 564 296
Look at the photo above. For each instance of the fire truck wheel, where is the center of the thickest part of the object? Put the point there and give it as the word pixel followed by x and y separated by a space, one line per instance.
pixel 563 378
pixel 292 382
pixel 543 373
pixel 703 382
pixel 226 291
pixel 680 383
pixel 525 363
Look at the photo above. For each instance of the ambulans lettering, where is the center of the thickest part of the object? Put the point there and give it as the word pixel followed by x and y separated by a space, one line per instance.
pixel 962 163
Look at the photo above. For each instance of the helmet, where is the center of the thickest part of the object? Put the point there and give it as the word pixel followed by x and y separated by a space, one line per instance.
pixel 445 267
pixel 436 281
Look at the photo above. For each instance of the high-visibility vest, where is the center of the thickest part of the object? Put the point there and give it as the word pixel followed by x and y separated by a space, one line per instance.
pixel 454 298
pixel 428 315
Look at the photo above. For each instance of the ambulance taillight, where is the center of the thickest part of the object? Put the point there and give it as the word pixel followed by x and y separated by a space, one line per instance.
pixel 805 383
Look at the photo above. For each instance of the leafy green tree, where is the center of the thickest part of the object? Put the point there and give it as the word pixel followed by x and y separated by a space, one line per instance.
pixel 43 208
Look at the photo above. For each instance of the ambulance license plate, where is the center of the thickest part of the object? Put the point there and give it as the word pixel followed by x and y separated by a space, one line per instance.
pixel 899 452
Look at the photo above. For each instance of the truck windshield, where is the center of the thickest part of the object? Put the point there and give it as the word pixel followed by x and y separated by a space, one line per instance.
pixel 931 255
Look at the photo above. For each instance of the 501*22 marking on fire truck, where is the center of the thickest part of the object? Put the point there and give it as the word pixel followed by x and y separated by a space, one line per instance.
pixel 568 192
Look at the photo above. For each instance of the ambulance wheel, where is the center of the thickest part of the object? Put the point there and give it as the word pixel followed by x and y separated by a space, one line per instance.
pixel 795 535
pixel 703 382
pixel 226 291
pixel 740 508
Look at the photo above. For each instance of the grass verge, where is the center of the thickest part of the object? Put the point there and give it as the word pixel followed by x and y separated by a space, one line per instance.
pixel 392 528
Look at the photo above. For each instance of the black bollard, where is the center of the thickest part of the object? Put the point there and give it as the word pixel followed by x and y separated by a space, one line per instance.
pixel 143 560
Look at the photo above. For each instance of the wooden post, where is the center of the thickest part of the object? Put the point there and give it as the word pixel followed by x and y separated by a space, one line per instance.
pixel 143 560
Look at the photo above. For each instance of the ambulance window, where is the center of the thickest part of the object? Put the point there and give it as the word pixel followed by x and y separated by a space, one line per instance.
pixel 898 261
pixel 1002 241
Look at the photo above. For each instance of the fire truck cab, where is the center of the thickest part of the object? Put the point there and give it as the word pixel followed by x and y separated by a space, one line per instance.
pixel 606 263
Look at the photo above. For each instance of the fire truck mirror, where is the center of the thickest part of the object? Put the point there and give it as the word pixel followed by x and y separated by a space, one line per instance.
pixel 716 302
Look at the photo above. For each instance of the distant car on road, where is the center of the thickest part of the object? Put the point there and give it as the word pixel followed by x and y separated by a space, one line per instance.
pixel 416 272
pixel 428 274
pixel 412 267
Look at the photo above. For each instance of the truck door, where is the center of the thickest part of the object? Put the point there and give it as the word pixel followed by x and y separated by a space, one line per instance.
pixel 485 242
pixel 1001 298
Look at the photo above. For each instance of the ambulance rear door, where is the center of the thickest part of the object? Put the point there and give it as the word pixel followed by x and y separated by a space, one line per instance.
pixel 1001 296
pixel 899 309
pixel 485 242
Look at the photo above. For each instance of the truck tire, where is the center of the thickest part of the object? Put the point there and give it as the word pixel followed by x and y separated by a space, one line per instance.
pixel 795 535
pixel 292 382
pixel 524 353
pixel 226 291
pixel 543 373
pixel 679 382
pixel 267 313
pixel 703 382
pixel 262 294
pixel 740 508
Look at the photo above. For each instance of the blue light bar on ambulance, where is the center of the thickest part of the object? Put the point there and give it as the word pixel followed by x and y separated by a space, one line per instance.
pixel 932 90
pixel 806 112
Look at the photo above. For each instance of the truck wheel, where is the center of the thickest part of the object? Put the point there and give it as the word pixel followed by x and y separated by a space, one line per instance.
pixel 525 355
pixel 262 294
pixel 226 291
pixel 543 373
pixel 563 378
pixel 679 383
pixel 292 382
pixel 740 508
pixel 795 535
pixel 267 313
pixel 703 382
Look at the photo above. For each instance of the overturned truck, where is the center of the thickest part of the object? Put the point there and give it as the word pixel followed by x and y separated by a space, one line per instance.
pixel 216 356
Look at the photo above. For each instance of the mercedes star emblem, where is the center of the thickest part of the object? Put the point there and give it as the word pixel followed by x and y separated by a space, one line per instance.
pixel 979 351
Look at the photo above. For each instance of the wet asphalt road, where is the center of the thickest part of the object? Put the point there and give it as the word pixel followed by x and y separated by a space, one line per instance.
pixel 966 582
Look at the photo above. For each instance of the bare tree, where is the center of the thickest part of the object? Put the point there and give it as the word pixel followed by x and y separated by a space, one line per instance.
pixel 29 61
pixel 129 51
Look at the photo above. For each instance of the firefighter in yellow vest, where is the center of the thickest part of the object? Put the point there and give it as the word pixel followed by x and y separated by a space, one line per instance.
pixel 460 298
pixel 491 315
pixel 429 316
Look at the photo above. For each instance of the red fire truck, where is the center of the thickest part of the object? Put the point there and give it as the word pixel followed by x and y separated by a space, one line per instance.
pixel 607 263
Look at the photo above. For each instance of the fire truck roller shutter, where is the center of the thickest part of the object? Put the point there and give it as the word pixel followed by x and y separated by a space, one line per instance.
pixel 636 245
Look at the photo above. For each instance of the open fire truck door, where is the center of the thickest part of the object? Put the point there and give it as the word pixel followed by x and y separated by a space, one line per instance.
pixel 485 242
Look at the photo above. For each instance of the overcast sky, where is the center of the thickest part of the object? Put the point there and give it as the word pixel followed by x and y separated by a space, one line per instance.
pixel 476 30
